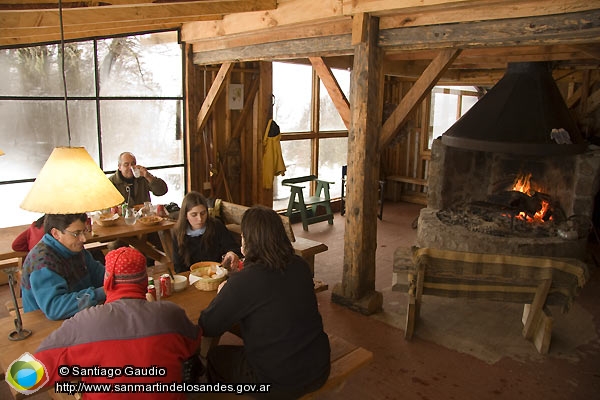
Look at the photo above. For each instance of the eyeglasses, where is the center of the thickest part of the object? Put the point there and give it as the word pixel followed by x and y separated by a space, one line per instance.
pixel 77 233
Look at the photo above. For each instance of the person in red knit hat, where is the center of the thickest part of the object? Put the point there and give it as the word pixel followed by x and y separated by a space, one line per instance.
pixel 30 236
pixel 154 338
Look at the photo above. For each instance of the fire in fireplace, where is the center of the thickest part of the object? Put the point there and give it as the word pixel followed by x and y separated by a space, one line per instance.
pixel 535 204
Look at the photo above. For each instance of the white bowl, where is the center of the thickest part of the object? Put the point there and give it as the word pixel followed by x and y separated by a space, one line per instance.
pixel 180 282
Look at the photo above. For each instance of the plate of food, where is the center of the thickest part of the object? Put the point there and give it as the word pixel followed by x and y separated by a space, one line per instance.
pixel 150 219
pixel 106 219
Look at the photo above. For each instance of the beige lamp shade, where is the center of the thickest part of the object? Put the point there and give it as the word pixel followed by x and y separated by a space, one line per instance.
pixel 70 183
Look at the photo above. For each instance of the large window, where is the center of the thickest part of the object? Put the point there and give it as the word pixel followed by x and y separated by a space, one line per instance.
pixel 314 137
pixel 124 94
pixel 448 104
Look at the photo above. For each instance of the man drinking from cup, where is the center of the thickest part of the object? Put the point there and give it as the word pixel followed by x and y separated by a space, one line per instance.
pixel 138 179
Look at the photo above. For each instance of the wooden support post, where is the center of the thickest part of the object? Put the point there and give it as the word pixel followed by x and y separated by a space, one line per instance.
pixel 357 289
pixel 264 111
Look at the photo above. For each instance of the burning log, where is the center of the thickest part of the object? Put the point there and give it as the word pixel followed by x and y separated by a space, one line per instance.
pixel 517 201
pixel 531 206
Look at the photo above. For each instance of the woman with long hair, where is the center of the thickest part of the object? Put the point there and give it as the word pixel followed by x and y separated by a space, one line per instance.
pixel 199 237
pixel 272 299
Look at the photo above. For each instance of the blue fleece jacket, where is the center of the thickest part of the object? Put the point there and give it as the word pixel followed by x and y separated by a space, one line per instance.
pixel 54 276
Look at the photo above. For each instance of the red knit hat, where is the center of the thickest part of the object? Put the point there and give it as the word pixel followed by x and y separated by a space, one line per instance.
pixel 125 274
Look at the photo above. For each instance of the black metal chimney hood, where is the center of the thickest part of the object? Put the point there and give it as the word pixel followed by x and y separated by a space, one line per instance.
pixel 523 114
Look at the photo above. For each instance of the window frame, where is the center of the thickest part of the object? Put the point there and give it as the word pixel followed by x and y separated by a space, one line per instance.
pixel 315 135
pixel 97 99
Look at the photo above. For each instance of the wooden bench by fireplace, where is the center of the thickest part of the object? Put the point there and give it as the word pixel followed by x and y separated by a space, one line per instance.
pixel 536 282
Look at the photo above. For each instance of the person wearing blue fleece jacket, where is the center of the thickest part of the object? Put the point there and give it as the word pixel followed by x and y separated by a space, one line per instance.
pixel 58 269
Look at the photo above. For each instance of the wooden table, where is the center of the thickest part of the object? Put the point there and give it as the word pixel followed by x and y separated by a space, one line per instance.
pixel 136 236
pixel 192 300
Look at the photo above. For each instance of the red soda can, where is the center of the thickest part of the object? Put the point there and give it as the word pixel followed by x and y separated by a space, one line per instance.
pixel 165 285
pixel 116 210
pixel 160 210
pixel 152 291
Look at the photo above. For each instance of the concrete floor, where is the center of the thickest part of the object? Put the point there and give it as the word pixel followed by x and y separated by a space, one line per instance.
pixel 461 349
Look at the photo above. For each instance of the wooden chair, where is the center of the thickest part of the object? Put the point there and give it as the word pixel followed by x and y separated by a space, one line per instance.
pixel 307 207
pixel 343 195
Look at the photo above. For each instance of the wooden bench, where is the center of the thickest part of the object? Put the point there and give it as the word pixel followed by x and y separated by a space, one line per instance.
pixel 395 183
pixel 536 282
pixel 231 215
pixel 299 204
pixel 346 358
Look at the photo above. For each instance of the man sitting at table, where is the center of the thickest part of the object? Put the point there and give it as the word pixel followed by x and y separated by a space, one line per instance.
pixel 126 331
pixel 139 190
pixel 58 270
pixel 139 187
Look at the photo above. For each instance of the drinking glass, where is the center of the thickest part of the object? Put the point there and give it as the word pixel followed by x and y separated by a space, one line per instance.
pixel 83 301
pixel 129 216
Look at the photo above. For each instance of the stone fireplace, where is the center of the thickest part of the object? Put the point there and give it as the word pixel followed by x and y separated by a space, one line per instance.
pixel 511 192
pixel 513 175
pixel 474 204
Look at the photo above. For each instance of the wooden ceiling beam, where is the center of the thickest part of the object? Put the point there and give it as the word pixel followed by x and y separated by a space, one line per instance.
pixel 300 48
pixel 213 93
pixel 317 30
pixel 416 94
pixel 336 94
pixel 487 10
pixel 33 38
pixel 395 14
pixel 592 50
pixel 83 3
pixel 573 28
pixel 564 51
pixel 139 13
pixel 288 13
pixel 85 28
pixel 12 36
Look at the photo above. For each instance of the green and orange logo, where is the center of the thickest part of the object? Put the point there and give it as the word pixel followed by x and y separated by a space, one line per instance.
pixel 26 374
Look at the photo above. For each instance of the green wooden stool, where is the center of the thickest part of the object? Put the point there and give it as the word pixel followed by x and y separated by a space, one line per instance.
pixel 307 207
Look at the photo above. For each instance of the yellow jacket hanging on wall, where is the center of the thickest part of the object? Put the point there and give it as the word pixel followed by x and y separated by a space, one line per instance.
pixel 273 164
